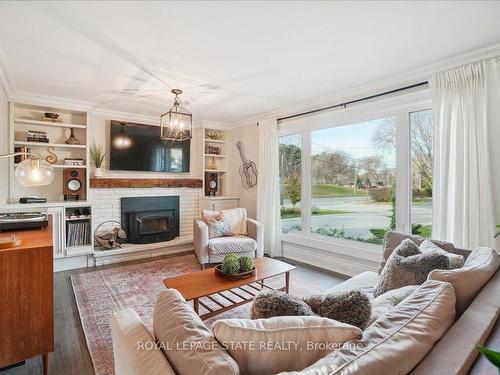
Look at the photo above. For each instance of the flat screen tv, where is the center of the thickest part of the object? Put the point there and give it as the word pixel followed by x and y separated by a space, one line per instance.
pixel 144 151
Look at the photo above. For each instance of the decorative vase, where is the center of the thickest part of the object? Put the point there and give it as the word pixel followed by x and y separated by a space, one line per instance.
pixel 98 172
pixel 72 139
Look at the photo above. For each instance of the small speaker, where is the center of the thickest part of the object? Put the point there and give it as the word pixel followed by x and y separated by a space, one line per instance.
pixel 211 184
pixel 74 184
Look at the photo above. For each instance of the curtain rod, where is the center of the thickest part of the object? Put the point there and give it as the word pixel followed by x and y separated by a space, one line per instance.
pixel 354 101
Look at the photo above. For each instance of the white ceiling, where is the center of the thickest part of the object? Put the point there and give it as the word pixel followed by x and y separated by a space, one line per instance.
pixel 234 60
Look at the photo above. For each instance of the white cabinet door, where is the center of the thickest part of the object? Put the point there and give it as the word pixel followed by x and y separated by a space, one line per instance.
pixel 57 214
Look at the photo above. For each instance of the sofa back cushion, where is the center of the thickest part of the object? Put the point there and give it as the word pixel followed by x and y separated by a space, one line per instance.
pixel 235 217
pixel 393 239
pixel 188 344
pixel 468 280
pixel 285 343
pixel 397 341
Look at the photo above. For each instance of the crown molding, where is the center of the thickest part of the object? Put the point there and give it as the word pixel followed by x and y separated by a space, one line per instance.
pixel 5 77
pixel 394 81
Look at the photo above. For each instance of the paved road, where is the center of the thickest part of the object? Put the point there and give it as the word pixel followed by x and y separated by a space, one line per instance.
pixel 363 215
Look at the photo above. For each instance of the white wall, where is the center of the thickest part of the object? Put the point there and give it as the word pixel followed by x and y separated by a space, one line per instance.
pixel 4 146
pixel 249 137
pixel 98 132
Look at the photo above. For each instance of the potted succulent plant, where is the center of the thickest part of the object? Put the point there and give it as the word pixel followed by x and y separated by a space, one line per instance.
pixel 235 267
pixel 97 155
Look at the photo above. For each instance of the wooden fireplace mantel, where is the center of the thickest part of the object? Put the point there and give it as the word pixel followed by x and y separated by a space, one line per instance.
pixel 114 183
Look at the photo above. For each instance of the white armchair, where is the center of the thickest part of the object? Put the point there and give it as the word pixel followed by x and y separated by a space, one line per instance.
pixel 213 250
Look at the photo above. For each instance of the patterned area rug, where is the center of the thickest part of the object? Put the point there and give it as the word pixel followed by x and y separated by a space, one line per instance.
pixel 99 294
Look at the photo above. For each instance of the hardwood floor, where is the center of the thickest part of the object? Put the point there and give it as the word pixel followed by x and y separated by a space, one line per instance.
pixel 71 356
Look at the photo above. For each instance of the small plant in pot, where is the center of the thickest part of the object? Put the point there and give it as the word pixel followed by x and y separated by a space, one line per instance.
pixel 235 267
pixel 97 155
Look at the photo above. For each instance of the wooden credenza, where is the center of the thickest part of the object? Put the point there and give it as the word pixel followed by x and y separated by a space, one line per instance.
pixel 27 298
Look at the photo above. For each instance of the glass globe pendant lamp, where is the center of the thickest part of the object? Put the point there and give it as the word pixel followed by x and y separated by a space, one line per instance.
pixel 177 123
pixel 122 141
pixel 32 171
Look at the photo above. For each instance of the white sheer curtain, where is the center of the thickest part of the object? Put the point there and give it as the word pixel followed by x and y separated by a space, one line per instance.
pixel 465 102
pixel 268 192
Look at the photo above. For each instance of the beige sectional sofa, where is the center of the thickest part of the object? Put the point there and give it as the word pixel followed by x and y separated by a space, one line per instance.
pixel 427 333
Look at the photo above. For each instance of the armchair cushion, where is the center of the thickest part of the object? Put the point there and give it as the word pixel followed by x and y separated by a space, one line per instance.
pixel 234 244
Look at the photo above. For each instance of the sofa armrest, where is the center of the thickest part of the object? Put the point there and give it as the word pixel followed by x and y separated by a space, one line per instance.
pixel 134 348
pixel 200 238
pixel 255 230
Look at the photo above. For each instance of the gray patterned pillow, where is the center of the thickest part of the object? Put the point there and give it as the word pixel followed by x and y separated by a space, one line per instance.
pixel 408 265
pixel 275 303
pixel 351 307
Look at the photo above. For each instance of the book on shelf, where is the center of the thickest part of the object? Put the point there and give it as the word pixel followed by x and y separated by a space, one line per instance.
pixel 37 136
pixel 73 161
pixel 20 158
pixel 78 234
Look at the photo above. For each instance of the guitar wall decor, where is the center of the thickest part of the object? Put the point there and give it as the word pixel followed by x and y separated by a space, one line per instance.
pixel 248 170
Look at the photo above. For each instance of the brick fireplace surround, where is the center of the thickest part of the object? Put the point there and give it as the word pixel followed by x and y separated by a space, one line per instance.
pixel 106 193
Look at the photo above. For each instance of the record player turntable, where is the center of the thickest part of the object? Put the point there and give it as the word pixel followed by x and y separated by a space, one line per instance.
pixel 23 220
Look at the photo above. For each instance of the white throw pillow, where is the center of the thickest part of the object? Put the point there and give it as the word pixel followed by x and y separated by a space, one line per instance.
pixel 284 343
pixel 456 260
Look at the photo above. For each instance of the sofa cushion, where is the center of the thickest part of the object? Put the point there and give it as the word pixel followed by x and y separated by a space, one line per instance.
pixel 188 344
pixel 134 349
pixel 364 282
pixel 393 239
pixel 468 280
pixel 407 265
pixel 286 343
pixel 397 341
pixel 236 218
pixel 455 260
pixel 233 244
pixel 389 300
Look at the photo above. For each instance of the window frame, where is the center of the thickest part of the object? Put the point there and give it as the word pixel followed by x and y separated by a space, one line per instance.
pixel 399 107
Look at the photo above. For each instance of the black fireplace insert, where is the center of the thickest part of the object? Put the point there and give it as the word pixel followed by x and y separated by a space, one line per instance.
pixel 150 219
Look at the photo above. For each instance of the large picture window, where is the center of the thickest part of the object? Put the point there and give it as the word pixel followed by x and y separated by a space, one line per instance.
pixel 290 149
pixel 353 180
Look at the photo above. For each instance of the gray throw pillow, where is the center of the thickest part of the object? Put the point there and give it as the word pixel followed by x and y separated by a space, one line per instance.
pixel 408 265
pixel 275 303
pixel 352 307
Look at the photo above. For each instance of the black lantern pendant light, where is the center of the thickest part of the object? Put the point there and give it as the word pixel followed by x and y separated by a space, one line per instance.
pixel 177 123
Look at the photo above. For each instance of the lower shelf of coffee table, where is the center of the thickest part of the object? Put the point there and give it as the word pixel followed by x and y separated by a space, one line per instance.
pixel 236 297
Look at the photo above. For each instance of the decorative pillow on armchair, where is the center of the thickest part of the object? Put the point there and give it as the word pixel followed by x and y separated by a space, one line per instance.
pixel 217 226
pixel 408 265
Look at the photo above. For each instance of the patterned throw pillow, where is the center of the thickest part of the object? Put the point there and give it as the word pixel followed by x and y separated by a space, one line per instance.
pixel 217 226
pixel 408 265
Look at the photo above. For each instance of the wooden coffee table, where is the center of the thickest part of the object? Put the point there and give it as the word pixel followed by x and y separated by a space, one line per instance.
pixel 195 285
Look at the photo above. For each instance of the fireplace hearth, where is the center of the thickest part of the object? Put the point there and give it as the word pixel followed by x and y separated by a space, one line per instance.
pixel 150 219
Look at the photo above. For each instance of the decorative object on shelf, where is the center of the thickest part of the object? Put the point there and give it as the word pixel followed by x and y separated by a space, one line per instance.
pixel 213 150
pixel 211 184
pixel 37 136
pixel 74 184
pixel 214 135
pixel 72 140
pixel 51 158
pixel 110 238
pixel 177 123
pixel 248 170
pixel 212 165
pixel 235 267
pixel 32 171
pixel 51 116
pixel 97 156
pixel 122 141
pixel 73 161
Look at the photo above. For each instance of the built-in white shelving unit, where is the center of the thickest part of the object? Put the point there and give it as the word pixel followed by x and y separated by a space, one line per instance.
pixel 215 160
